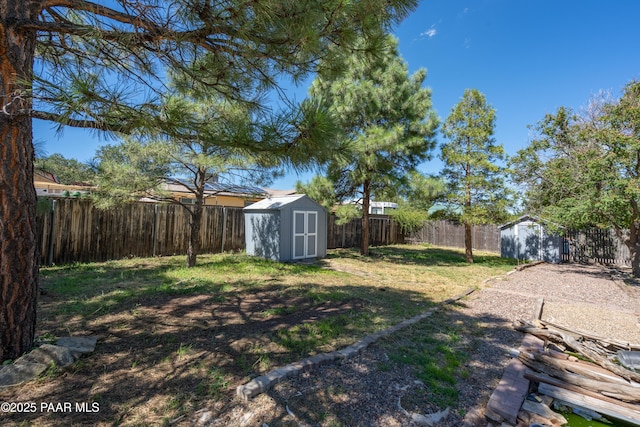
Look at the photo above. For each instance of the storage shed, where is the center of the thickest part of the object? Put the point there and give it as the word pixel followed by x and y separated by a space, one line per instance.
pixel 527 239
pixel 286 228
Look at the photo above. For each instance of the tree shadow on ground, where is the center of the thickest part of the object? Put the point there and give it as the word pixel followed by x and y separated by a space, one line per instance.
pixel 165 354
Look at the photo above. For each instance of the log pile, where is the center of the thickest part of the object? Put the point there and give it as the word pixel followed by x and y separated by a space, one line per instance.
pixel 579 371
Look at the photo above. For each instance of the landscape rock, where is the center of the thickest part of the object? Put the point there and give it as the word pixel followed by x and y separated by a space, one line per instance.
pixel 78 344
pixel 430 419
pixel 47 354
pixel 30 365
pixel 19 373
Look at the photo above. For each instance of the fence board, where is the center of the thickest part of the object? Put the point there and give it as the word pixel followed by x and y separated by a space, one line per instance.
pixel 595 245
pixel 446 233
pixel 382 231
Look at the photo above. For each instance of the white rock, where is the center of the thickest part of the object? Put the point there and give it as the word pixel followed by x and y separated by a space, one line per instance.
pixel 430 419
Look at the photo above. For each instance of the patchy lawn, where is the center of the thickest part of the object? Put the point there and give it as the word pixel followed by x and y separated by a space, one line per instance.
pixel 173 340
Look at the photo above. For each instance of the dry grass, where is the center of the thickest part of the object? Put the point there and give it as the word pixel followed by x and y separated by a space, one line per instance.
pixel 172 340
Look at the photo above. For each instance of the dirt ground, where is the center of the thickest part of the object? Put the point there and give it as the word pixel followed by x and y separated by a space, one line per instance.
pixel 172 353
pixel 177 360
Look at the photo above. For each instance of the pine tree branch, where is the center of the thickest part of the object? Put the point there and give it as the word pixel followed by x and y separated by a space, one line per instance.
pixel 79 123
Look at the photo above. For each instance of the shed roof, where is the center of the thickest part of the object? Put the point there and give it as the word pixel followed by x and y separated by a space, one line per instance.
pixel 532 218
pixel 518 220
pixel 274 203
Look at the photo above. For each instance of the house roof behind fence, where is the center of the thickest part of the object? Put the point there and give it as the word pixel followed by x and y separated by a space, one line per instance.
pixel 218 188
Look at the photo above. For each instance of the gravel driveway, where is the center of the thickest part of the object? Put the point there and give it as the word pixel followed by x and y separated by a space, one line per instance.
pixel 592 299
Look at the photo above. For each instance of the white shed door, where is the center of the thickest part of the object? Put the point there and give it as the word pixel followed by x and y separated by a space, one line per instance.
pixel 305 234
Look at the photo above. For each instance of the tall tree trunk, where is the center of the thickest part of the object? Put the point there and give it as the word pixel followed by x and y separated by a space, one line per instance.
pixel 468 243
pixel 633 243
pixel 366 197
pixel 18 240
pixel 196 220
pixel 194 236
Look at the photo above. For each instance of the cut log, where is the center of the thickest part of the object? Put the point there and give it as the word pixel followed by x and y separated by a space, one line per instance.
pixel 609 407
pixel 571 342
pixel 616 344
pixel 537 310
pixel 631 394
pixel 544 411
pixel 586 369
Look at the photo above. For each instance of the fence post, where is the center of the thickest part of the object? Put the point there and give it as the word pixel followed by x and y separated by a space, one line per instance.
pixel 473 238
pixel 224 228
pixel 51 232
pixel 155 228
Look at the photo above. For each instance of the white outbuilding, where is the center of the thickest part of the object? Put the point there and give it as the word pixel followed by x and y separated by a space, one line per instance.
pixel 286 228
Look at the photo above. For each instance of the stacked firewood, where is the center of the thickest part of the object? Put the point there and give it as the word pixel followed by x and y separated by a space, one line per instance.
pixel 582 371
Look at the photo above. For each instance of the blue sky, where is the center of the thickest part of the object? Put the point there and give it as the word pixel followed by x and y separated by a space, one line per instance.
pixel 528 57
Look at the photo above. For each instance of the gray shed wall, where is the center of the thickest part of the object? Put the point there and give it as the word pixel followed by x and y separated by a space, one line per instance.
pixel 530 241
pixel 269 232
pixel 262 231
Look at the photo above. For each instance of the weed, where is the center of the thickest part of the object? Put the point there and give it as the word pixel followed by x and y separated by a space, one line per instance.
pixel 183 350
pixel 213 384
pixel 46 338
pixel 52 371
pixel 263 362
pixel 279 311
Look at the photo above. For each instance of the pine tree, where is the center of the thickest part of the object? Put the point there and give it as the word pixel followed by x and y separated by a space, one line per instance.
pixel 100 65
pixel 387 122
pixel 475 180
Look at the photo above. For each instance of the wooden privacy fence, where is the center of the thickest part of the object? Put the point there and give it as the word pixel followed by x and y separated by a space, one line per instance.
pixel 594 245
pixel 73 230
pixel 447 233
pixel 382 231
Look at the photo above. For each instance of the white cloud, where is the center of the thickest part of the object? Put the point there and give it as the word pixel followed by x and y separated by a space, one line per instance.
pixel 431 32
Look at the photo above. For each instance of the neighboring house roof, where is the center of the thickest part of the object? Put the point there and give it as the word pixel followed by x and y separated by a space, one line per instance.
pixel 44 176
pixel 274 203
pixel 47 185
pixel 375 204
pixel 272 192
pixel 445 207
pixel 218 188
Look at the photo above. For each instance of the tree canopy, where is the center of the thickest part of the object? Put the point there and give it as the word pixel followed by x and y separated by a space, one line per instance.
pixel 387 123
pixel 583 169
pixel 201 148
pixel 67 171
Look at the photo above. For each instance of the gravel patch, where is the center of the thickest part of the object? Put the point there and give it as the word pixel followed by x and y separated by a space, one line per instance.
pixel 363 391
pixel 588 298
